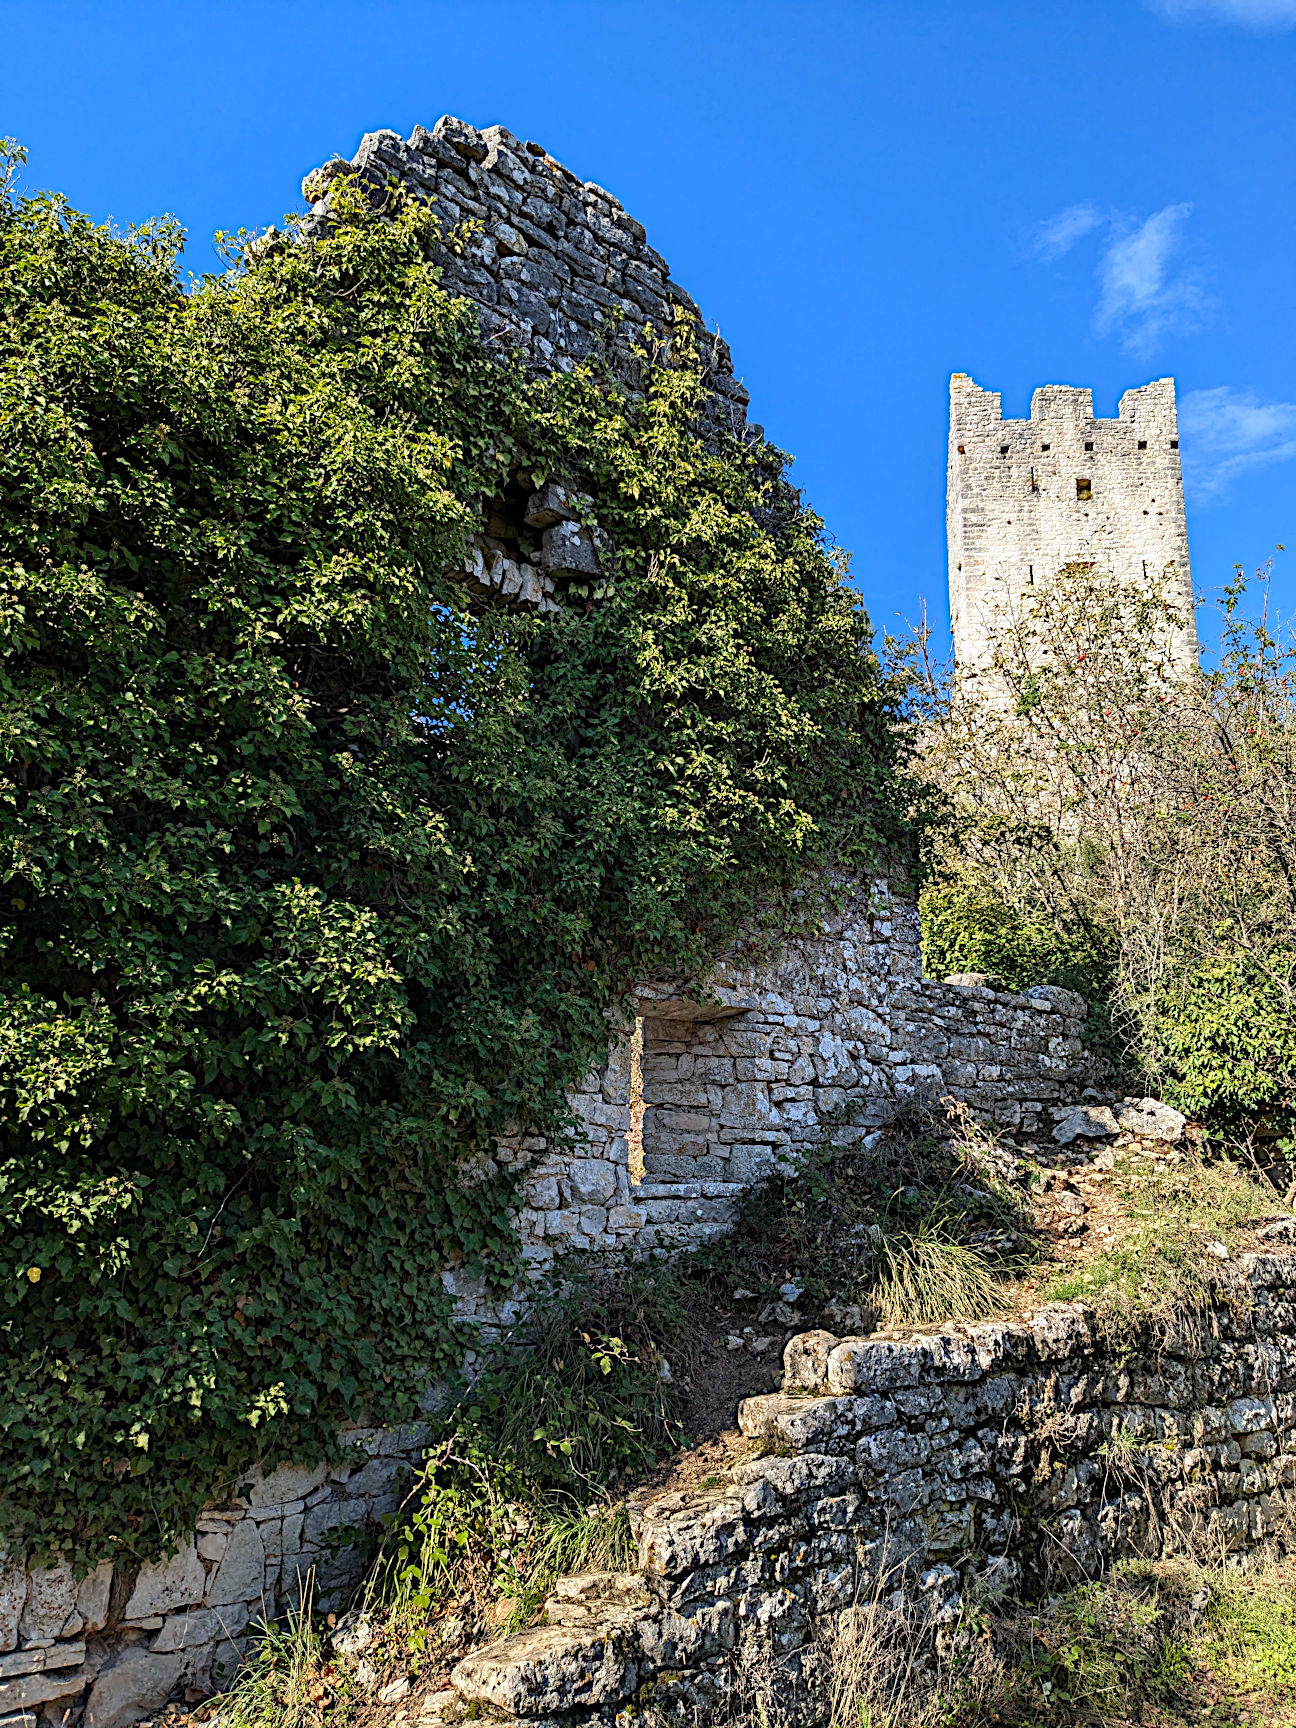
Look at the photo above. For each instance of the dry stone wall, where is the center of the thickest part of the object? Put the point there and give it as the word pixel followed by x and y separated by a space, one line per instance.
pixel 924 1468
pixel 559 274
pixel 123 1640
pixel 557 269
pixel 821 1044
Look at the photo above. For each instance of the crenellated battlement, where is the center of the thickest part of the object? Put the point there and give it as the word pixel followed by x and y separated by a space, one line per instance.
pixel 1025 497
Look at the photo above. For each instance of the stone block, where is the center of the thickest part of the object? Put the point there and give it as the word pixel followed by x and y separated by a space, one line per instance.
pixel 568 549
pixel 1250 1415
pixel 805 1360
pixel 200 1626
pixel 51 1602
pixel 284 1483
pixel 240 1577
pixel 137 1685
pixel 93 1594
pixel 13 1594
pixel 1059 1330
pixel 331 1515
pixel 591 1181
pixel 550 1668
pixel 29 1689
pixel 211 1544
pixel 626 1218
pixel 66 1653
pixel 881 1364
pixel 164 1585
pixel 542 1193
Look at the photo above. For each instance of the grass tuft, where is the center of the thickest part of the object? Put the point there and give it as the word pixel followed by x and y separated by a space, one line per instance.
pixel 925 1275
pixel 1161 1276
pixel 287 1680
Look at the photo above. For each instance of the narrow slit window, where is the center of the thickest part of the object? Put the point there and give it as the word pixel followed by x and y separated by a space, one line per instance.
pixel 1174 443
pixel 1084 489
pixel 1089 445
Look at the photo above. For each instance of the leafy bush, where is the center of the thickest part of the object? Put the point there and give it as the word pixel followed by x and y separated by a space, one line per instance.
pixel 969 924
pixel 1127 825
pixel 315 882
pixel 968 927
pixel 523 1469
pixel 1229 1037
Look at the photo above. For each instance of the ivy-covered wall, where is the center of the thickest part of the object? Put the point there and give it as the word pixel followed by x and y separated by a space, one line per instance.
pixel 322 872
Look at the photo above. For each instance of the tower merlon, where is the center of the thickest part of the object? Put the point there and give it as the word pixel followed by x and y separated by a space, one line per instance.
pixel 1027 497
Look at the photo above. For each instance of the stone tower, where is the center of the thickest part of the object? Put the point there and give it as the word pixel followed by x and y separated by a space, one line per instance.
pixel 1025 497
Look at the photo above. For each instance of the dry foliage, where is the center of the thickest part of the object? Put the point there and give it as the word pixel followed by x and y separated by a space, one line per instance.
pixel 1142 814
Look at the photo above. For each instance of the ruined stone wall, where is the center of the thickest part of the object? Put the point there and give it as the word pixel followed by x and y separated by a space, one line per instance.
pixel 122 1641
pixel 558 274
pixel 556 268
pixel 921 1467
pixel 1025 497
pixel 821 1043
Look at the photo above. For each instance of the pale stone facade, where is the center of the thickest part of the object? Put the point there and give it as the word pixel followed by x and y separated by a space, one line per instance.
pixel 1025 497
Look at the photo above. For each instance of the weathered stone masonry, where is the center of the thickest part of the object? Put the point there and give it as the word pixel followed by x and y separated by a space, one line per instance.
pixel 921 1466
pixel 766 1062
pixel 1025 497
pixel 558 273
pixel 121 1642
pixel 746 1072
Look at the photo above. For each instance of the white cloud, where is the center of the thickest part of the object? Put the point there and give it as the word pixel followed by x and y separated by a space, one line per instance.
pixel 1257 14
pixel 1144 293
pixel 1060 233
pixel 1143 297
pixel 1225 432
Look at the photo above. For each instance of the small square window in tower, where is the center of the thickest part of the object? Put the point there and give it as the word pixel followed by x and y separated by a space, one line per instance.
pixel 1084 489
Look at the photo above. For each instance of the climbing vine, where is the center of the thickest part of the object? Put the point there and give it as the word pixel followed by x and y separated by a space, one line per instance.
pixel 314 881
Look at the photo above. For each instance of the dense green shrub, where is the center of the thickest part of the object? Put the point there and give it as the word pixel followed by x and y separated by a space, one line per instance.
pixel 314 882
pixel 968 927
pixel 971 925
pixel 1230 1039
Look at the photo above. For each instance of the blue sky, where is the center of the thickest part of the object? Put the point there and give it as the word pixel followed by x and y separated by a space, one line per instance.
pixel 864 197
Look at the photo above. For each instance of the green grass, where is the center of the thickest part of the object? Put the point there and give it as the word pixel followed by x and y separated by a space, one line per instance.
pixel 925 1275
pixel 924 1225
pixel 288 1680
pixel 1248 1640
pixel 1160 1275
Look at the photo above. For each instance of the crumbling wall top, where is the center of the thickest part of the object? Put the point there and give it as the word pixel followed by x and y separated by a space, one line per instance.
pixel 555 266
